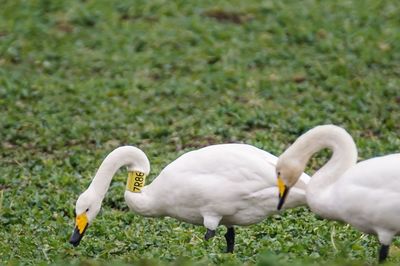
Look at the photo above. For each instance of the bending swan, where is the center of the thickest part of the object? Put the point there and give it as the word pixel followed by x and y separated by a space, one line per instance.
pixel 228 184
pixel 365 195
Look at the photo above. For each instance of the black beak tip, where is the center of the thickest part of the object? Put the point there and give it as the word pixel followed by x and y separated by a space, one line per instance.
pixel 282 198
pixel 74 243
pixel 75 238
pixel 280 204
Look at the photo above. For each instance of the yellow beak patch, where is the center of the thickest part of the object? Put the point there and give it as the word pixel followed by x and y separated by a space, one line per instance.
pixel 281 186
pixel 81 222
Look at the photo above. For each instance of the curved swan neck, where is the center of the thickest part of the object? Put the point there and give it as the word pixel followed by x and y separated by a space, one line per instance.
pixel 344 153
pixel 129 156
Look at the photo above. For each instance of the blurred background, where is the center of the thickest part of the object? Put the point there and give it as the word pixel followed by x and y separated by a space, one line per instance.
pixel 80 78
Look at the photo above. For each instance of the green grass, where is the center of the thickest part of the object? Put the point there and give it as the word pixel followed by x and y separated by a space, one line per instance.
pixel 79 78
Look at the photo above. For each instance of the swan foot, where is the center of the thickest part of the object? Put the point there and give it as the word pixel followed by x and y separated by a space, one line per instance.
pixel 209 234
pixel 230 239
pixel 383 253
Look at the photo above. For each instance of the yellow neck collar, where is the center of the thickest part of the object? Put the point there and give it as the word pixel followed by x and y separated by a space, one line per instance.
pixel 136 181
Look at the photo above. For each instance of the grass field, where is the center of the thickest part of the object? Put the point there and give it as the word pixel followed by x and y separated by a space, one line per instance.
pixel 79 78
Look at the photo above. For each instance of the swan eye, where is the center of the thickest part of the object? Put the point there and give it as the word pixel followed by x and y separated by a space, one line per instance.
pixel 279 173
pixel 87 209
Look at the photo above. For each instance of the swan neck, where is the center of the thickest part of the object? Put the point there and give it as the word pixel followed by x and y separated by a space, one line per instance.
pixel 344 153
pixel 344 156
pixel 144 203
pixel 133 158
pixel 320 190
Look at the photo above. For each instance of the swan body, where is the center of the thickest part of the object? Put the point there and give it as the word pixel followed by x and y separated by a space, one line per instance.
pixel 373 188
pixel 226 184
pixel 365 195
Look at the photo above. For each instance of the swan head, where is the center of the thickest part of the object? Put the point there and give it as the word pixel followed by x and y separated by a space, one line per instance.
pixel 87 207
pixel 288 172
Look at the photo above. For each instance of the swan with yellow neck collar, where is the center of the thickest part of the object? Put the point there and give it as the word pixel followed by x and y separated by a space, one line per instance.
pixel 226 184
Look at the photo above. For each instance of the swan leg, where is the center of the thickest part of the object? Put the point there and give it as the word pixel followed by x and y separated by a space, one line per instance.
pixel 211 223
pixel 385 238
pixel 230 239
pixel 383 253
pixel 209 234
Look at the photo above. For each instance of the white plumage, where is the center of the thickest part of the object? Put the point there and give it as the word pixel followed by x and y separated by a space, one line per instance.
pixel 227 184
pixel 365 195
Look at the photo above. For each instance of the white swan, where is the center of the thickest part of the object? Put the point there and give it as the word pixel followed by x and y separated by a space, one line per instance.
pixel 228 184
pixel 365 195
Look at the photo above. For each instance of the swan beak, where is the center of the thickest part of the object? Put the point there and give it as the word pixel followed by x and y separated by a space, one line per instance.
pixel 81 224
pixel 283 191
